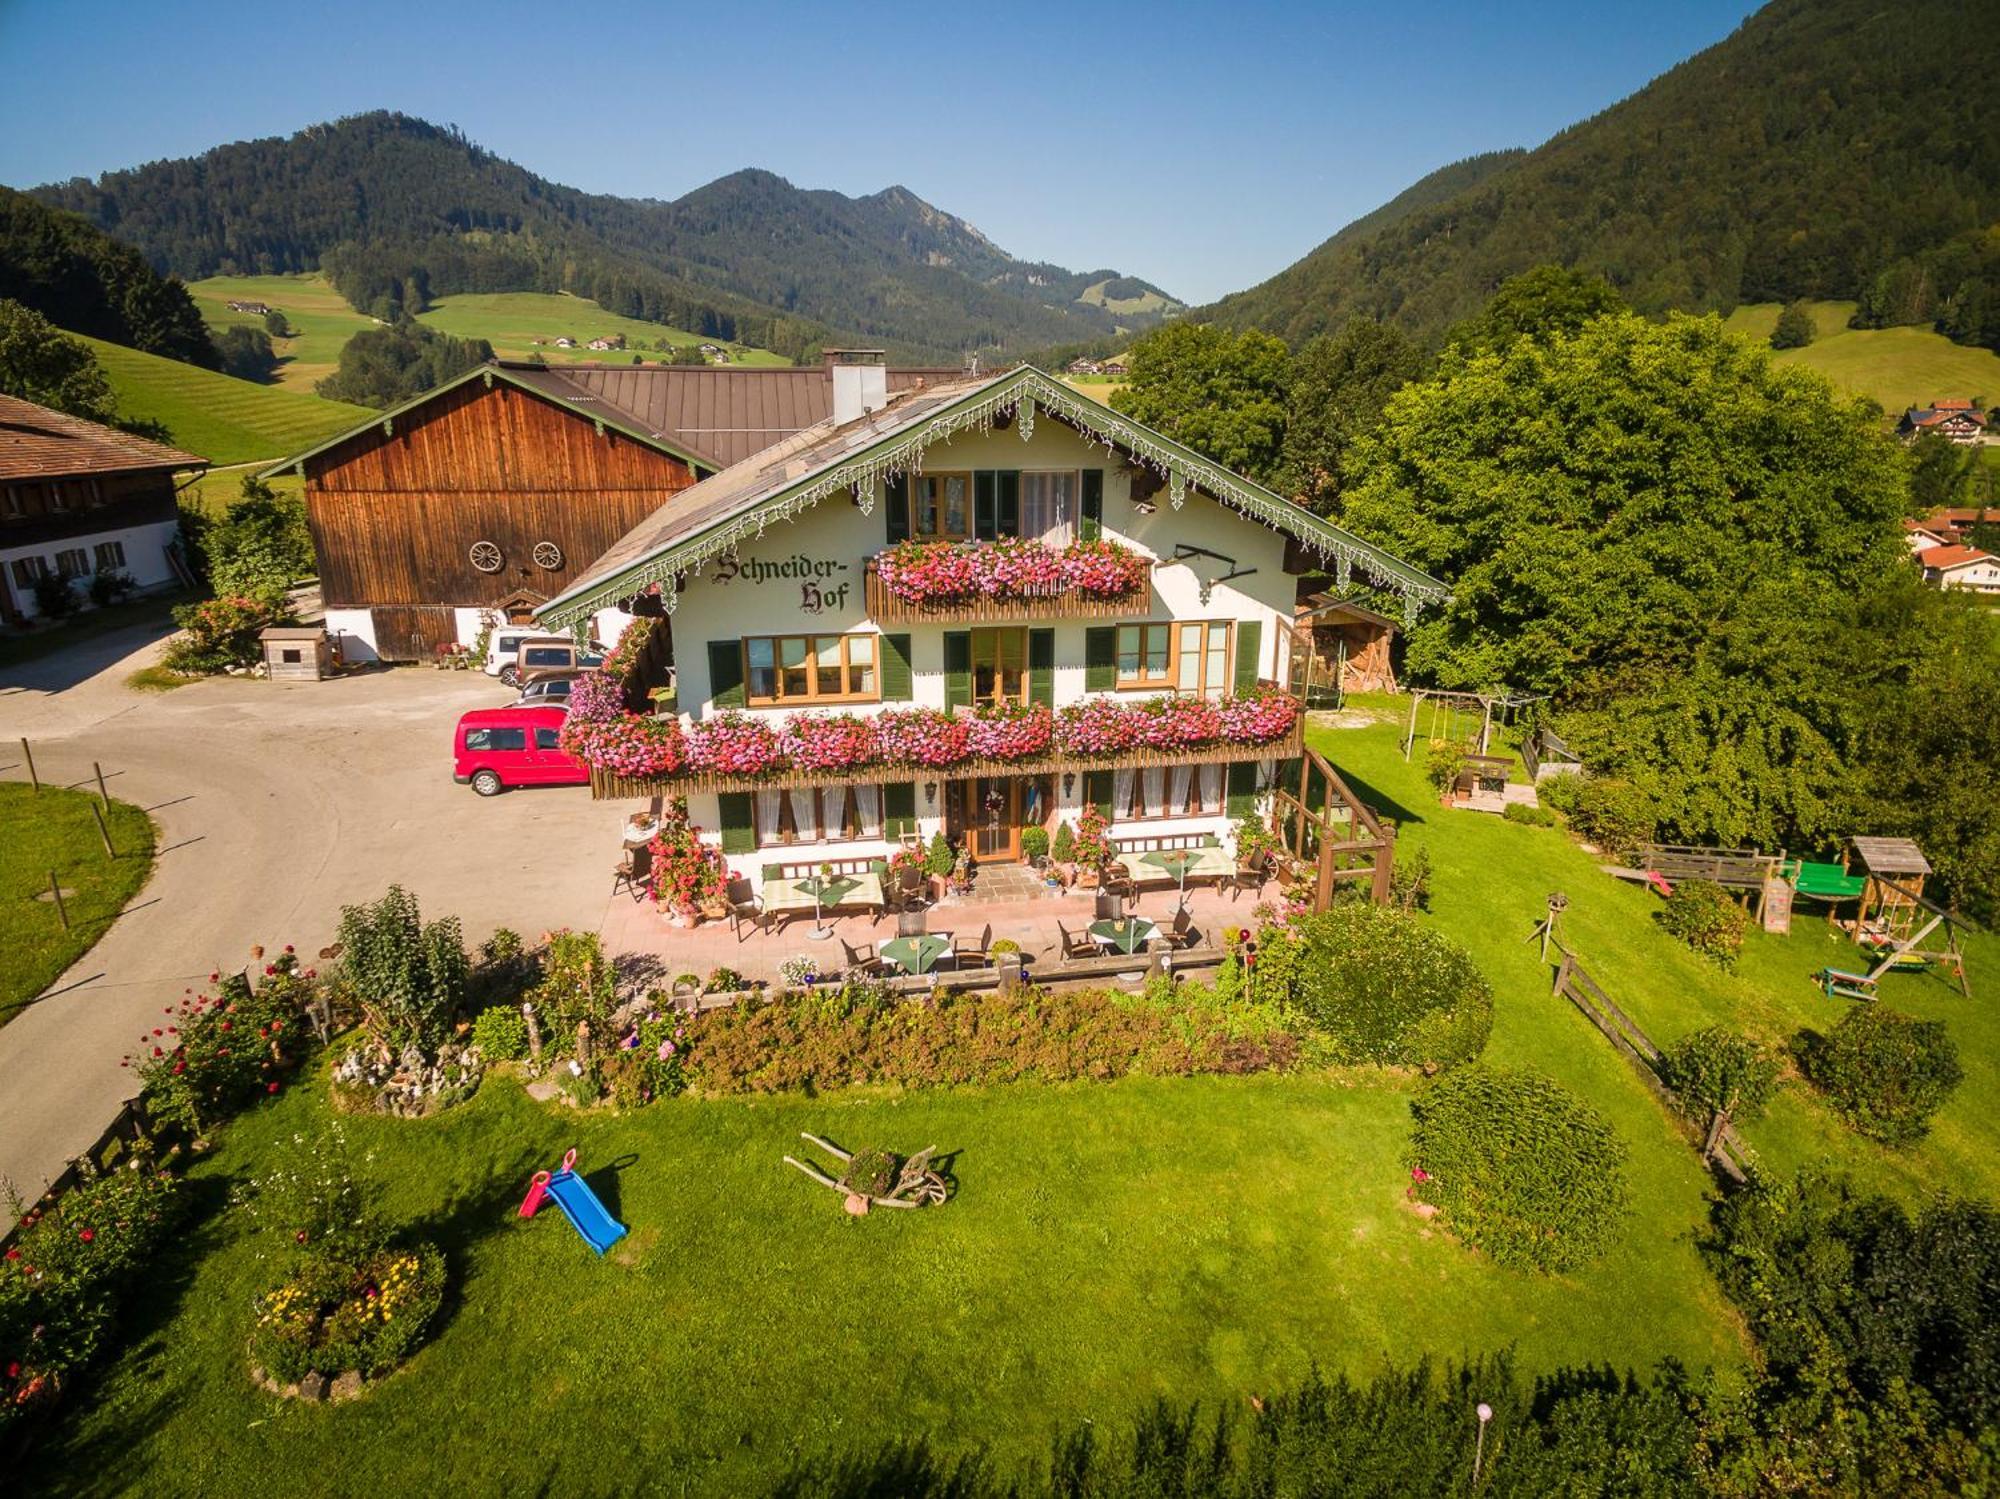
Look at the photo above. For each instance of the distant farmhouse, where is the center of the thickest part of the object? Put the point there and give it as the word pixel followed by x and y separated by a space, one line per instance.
pixel 78 499
pixel 1961 567
pixel 1112 367
pixel 610 341
pixel 1956 421
pixel 565 342
pixel 1084 367
pixel 260 309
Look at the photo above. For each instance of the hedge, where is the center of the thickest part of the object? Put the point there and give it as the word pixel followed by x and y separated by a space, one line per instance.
pixel 1884 1072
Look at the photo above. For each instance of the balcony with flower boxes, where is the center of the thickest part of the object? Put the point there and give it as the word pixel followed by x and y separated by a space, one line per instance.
pixel 940 582
pixel 735 752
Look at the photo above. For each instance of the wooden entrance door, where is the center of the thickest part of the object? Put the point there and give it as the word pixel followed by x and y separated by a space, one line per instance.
pixel 988 813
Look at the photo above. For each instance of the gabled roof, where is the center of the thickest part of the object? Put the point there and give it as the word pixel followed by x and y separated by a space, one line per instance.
pixel 1944 411
pixel 1947 557
pixel 37 443
pixel 717 515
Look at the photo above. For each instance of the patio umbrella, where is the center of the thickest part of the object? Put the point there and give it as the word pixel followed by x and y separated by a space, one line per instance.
pixel 916 954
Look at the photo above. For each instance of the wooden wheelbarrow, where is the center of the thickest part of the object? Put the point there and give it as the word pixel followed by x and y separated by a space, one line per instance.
pixel 875 1178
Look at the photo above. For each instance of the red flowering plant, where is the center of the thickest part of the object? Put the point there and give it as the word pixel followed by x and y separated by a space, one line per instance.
pixel 1103 568
pixel 930 572
pixel 1017 568
pixel 686 871
pixel 629 745
pixel 733 744
pixel 1092 849
pixel 213 1055
pixel 1258 717
pixel 1175 721
pixel 622 657
pixel 920 736
pixel 1009 731
pixel 1095 726
pixel 596 697
pixel 837 741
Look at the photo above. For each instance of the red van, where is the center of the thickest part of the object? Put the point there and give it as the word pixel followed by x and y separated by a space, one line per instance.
pixel 494 748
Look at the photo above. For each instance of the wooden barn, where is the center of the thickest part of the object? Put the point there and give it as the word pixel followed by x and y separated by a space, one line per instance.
pixel 482 499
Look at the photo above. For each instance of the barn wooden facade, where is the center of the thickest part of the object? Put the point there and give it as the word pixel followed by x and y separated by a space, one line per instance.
pixel 487 497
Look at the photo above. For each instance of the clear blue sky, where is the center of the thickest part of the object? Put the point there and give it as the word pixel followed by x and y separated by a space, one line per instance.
pixel 1203 147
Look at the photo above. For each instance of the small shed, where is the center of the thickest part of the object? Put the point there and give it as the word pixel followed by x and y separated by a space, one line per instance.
pixel 296 653
pixel 1351 641
pixel 1896 869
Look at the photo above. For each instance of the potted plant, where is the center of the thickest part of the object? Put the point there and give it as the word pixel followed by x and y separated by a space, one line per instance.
pixel 1062 851
pixel 1035 846
pixel 961 873
pixel 1092 847
pixel 942 861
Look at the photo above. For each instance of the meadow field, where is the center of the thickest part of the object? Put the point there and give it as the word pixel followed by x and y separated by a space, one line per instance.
pixel 1894 367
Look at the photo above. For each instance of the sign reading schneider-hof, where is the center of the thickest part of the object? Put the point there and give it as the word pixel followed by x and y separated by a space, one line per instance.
pixel 817 593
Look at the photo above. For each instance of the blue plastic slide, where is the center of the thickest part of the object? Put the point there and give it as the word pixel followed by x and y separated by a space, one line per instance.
pixel 586 1214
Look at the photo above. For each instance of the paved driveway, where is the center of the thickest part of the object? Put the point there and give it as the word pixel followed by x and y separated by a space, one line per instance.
pixel 276 804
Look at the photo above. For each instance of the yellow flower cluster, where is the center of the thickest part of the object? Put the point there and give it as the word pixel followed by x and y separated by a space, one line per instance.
pixel 394 1288
pixel 289 1305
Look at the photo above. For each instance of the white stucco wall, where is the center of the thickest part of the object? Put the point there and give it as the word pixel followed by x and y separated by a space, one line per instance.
pixel 145 559
pixel 353 632
pixel 806 577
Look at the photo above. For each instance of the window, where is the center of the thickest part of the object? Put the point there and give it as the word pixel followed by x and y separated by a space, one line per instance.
pixel 12 501
pixel 72 562
pixel 826 814
pixel 810 668
pixel 1187 656
pixel 27 569
pixel 496 739
pixel 57 499
pixel 289 656
pixel 941 505
pixel 535 656
pixel 110 556
pixel 1000 666
pixel 1048 507
pixel 1166 791
pixel 547 739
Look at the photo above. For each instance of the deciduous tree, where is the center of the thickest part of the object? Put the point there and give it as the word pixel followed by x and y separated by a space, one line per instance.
pixel 1221 393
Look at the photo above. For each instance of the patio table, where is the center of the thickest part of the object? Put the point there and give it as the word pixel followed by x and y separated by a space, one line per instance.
pixel 1182 863
pixel 1127 935
pixel 916 954
pixel 783 897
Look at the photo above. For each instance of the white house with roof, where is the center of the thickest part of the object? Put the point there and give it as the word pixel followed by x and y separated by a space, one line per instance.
pixel 974 607
pixel 1961 567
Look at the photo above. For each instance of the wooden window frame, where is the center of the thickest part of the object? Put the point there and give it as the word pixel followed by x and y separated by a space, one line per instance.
pixel 1020 699
pixel 916 512
pixel 1144 682
pixel 82 562
pixel 116 548
pixel 763 838
pixel 1121 818
pixel 781 699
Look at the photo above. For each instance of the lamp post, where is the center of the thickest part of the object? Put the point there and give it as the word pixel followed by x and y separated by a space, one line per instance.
pixel 1485 1412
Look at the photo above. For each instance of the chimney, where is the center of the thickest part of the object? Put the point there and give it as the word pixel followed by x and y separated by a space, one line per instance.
pixel 860 382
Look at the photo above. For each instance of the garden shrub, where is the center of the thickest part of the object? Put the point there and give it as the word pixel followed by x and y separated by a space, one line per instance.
pixel 1527 816
pixel 55 596
pixel 1519 1167
pixel 578 985
pixel 1380 985
pixel 649 1061
pixel 1063 849
pixel 1443 762
pixel 337 1311
pixel 219 633
pixel 216 1054
pixel 861 1034
pixel 1560 791
pixel 74 1261
pixel 1409 879
pixel 1701 914
pixel 1615 815
pixel 110 587
pixel 310 1197
pixel 1715 1070
pixel 501 1034
pixel 408 977
pixel 1884 1072
pixel 1034 843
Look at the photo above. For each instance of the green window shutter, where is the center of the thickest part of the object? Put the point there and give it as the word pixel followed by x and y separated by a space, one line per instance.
pixel 1242 793
pixel 725 673
pixel 957 669
pixel 1097 791
pixel 896 686
pixel 1007 507
pixel 1042 667
pixel 985 516
pixel 1100 658
pixel 899 808
pixel 739 834
pixel 896 506
pixel 1091 514
pixel 1249 641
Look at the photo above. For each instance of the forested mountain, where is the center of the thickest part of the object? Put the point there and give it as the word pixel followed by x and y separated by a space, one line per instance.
pixel 1829 149
pixel 80 278
pixel 397 211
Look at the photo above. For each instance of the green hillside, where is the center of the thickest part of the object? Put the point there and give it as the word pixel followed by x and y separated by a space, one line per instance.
pixel 223 419
pixel 310 304
pixel 1895 367
pixel 512 321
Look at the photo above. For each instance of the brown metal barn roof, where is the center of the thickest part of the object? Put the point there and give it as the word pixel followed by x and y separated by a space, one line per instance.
pixel 37 443
pixel 721 412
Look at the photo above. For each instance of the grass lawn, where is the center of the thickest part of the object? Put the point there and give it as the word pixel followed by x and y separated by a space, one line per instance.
pixel 321 316
pixel 54 830
pixel 223 419
pixel 512 321
pixel 1896 367
pixel 1492 881
pixel 219 488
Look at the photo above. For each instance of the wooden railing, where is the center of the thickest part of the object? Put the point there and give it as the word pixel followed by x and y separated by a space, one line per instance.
pixel 606 786
pixel 1066 603
pixel 1330 835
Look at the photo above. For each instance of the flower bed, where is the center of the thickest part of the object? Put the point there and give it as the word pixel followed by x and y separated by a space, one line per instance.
pixel 338 1312
pixel 736 745
pixel 950 572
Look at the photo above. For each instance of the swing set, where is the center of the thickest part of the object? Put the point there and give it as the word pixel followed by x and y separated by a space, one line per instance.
pixel 1894 920
pixel 1464 718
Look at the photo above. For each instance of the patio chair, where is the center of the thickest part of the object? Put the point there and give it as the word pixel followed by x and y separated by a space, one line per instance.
pixel 1074 946
pixel 863 961
pixel 1116 880
pixel 909 889
pixel 1181 935
pixel 979 955
pixel 744 910
pixel 1250 874
pixel 632 872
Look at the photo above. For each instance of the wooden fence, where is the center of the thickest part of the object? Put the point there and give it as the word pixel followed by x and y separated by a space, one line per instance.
pixel 1720 1146
pixel 1544 750
pixel 1737 868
